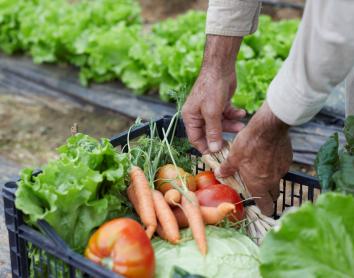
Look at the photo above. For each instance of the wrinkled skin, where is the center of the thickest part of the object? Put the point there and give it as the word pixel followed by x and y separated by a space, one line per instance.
pixel 262 155
pixel 262 151
pixel 208 110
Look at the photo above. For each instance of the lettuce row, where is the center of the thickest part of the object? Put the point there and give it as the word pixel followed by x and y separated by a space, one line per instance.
pixel 107 41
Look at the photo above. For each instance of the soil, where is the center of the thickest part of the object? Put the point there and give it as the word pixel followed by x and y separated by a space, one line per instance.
pixel 31 128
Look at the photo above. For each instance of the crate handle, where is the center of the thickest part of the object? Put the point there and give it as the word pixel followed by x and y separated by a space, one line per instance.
pixel 53 236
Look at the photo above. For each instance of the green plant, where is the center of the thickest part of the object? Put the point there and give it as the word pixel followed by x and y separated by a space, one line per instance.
pixel 105 39
pixel 335 165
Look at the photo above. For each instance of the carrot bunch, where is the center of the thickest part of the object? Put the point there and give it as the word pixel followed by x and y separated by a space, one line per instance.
pixel 156 213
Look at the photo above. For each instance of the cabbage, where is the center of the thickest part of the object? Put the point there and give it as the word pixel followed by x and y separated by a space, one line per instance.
pixel 230 254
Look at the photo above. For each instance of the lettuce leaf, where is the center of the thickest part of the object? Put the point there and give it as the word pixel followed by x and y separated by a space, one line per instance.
pixel 230 254
pixel 326 162
pixel 316 240
pixel 107 41
pixel 77 192
pixel 334 165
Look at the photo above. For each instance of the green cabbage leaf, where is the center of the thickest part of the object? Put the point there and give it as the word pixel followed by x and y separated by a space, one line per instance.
pixel 230 254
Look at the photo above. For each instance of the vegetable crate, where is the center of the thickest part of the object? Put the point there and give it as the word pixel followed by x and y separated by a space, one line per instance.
pixel 35 254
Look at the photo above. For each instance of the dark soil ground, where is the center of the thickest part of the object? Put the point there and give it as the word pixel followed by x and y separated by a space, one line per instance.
pixel 31 128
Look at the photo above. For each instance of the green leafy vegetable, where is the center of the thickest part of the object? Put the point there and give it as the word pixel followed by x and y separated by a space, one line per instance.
pixel 230 254
pixel 349 134
pixel 254 77
pixel 105 39
pixel 77 192
pixel 344 177
pixel 335 166
pixel 326 162
pixel 314 241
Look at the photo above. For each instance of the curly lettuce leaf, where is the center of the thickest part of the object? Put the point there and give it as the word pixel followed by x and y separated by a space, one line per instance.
pixel 313 241
pixel 107 41
pixel 334 166
pixel 349 133
pixel 326 163
pixel 254 76
pixel 344 177
pixel 77 192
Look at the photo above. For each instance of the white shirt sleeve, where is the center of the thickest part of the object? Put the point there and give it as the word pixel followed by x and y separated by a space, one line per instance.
pixel 321 57
pixel 232 17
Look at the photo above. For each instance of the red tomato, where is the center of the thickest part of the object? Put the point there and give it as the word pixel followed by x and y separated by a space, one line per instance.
pixel 123 246
pixel 213 195
pixel 204 179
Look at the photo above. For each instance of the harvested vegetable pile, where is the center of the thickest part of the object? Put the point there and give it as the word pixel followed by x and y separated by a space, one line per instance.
pixel 88 193
pixel 143 213
pixel 106 41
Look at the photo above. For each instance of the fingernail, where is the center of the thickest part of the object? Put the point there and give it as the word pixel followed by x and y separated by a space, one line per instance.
pixel 217 172
pixel 214 146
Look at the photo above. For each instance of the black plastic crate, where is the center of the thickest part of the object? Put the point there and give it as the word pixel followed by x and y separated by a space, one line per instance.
pixel 46 255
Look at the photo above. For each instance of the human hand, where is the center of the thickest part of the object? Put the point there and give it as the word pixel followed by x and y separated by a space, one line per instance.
pixel 208 110
pixel 262 154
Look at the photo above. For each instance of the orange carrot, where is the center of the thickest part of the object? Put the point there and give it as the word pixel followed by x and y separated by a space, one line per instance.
pixel 214 215
pixel 192 211
pixel 211 215
pixel 141 198
pixel 132 199
pixel 181 217
pixel 166 217
pixel 161 232
pixel 173 197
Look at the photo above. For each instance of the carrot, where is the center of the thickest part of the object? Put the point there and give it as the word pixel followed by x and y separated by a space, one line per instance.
pixel 132 199
pixel 181 217
pixel 214 215
pixel 166 217
pixel 173 197
pixel 211 215
pixel 141 198
pixel 161 232
pixel 193 213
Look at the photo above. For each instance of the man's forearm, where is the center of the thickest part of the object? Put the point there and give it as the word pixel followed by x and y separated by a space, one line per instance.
pixel 220 54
